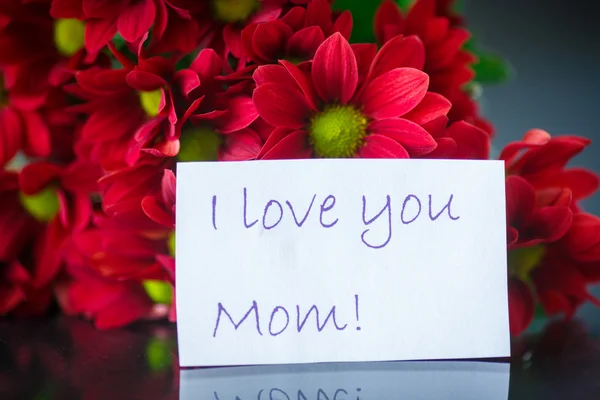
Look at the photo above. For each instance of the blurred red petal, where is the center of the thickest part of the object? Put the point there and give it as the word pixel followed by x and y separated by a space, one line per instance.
pixel 98 32
pixel 36 176
pixel 136 19
pixel 521 306
pixel 270 38
pixel 388 15
pixel 305 42
pixel 37 135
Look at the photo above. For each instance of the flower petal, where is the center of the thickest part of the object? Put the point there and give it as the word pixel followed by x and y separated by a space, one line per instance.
pixel 103 8
pixel 520 305
pixel 98 32
pixel 136 19
pixel 304 43
pixel 446 148
pixel 520 201
pixel 343 24
pixel 240 146
pixel 400 52
pixel 334 70
pixel 394 93
pixel 156 212
pixel 379 146
pixel 432 106
pixel 240 114
pixel 36 176
pixel 388 21
pixel 303 81
pixel 550 223
pixel 281 106
pixel 11 134
pixel 473 143
pixel 272 74
pixel 66 9
pixel 415 139
pixel 269 39
pixel 583 239
pixel 292 146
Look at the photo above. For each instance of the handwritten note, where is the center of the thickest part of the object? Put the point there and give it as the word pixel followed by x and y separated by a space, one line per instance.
pixel 305 261
pixel 446 380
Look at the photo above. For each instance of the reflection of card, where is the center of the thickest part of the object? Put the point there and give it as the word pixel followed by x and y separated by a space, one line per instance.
pixel 398 380
pixel 282 262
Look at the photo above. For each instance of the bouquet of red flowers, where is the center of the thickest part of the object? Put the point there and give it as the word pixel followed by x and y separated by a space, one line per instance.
pixel 100 98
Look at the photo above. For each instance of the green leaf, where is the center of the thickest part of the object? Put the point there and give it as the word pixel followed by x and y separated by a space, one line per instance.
pixel 491 69
pixel 459 6
pixel 362 15
pixel 405 5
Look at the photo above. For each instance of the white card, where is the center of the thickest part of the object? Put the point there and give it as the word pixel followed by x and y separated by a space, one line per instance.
pixel 426 380
pixel 379 260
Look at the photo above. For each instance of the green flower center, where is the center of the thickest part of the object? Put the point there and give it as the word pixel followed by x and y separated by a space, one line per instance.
pixel 159 291
pixel 69 36
pixel 171 244
pixel 158 354
pixel 522 261
pixel 338 131
pixel 150 102
pixel 43 205
pixel 199 143
pixel 234 10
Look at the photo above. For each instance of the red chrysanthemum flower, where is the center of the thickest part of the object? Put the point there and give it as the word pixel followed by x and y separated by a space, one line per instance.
pixel 546 230
pixel 109 303
pixel 117 274
pixel 541 160
pixel 193 113
pixel 459 140
pixel 160 207
pixel 115 111
pixel 446 61
pixel 296 35
pixel 329 113
pixel 29 251
pixel 39 55
pixel 172 27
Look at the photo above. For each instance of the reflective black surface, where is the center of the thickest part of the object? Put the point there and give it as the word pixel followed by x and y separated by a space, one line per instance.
pixel 67 358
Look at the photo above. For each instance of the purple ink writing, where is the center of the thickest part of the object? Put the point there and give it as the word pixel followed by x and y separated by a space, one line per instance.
pixel 273 213
pixel 246 210
pixel 287 320
pixel 327 207
pixel 378 219
pixel 320 327
pixel 356 310
pixel 221 309
pixel 267 207
pixel 279 319
pixel 446 207
pixel 303 220
pixel 214 211
pixel 388 207
pixel 406 200
pixel 302 394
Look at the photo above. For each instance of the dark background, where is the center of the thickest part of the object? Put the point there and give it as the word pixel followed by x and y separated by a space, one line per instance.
pixel 554 50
